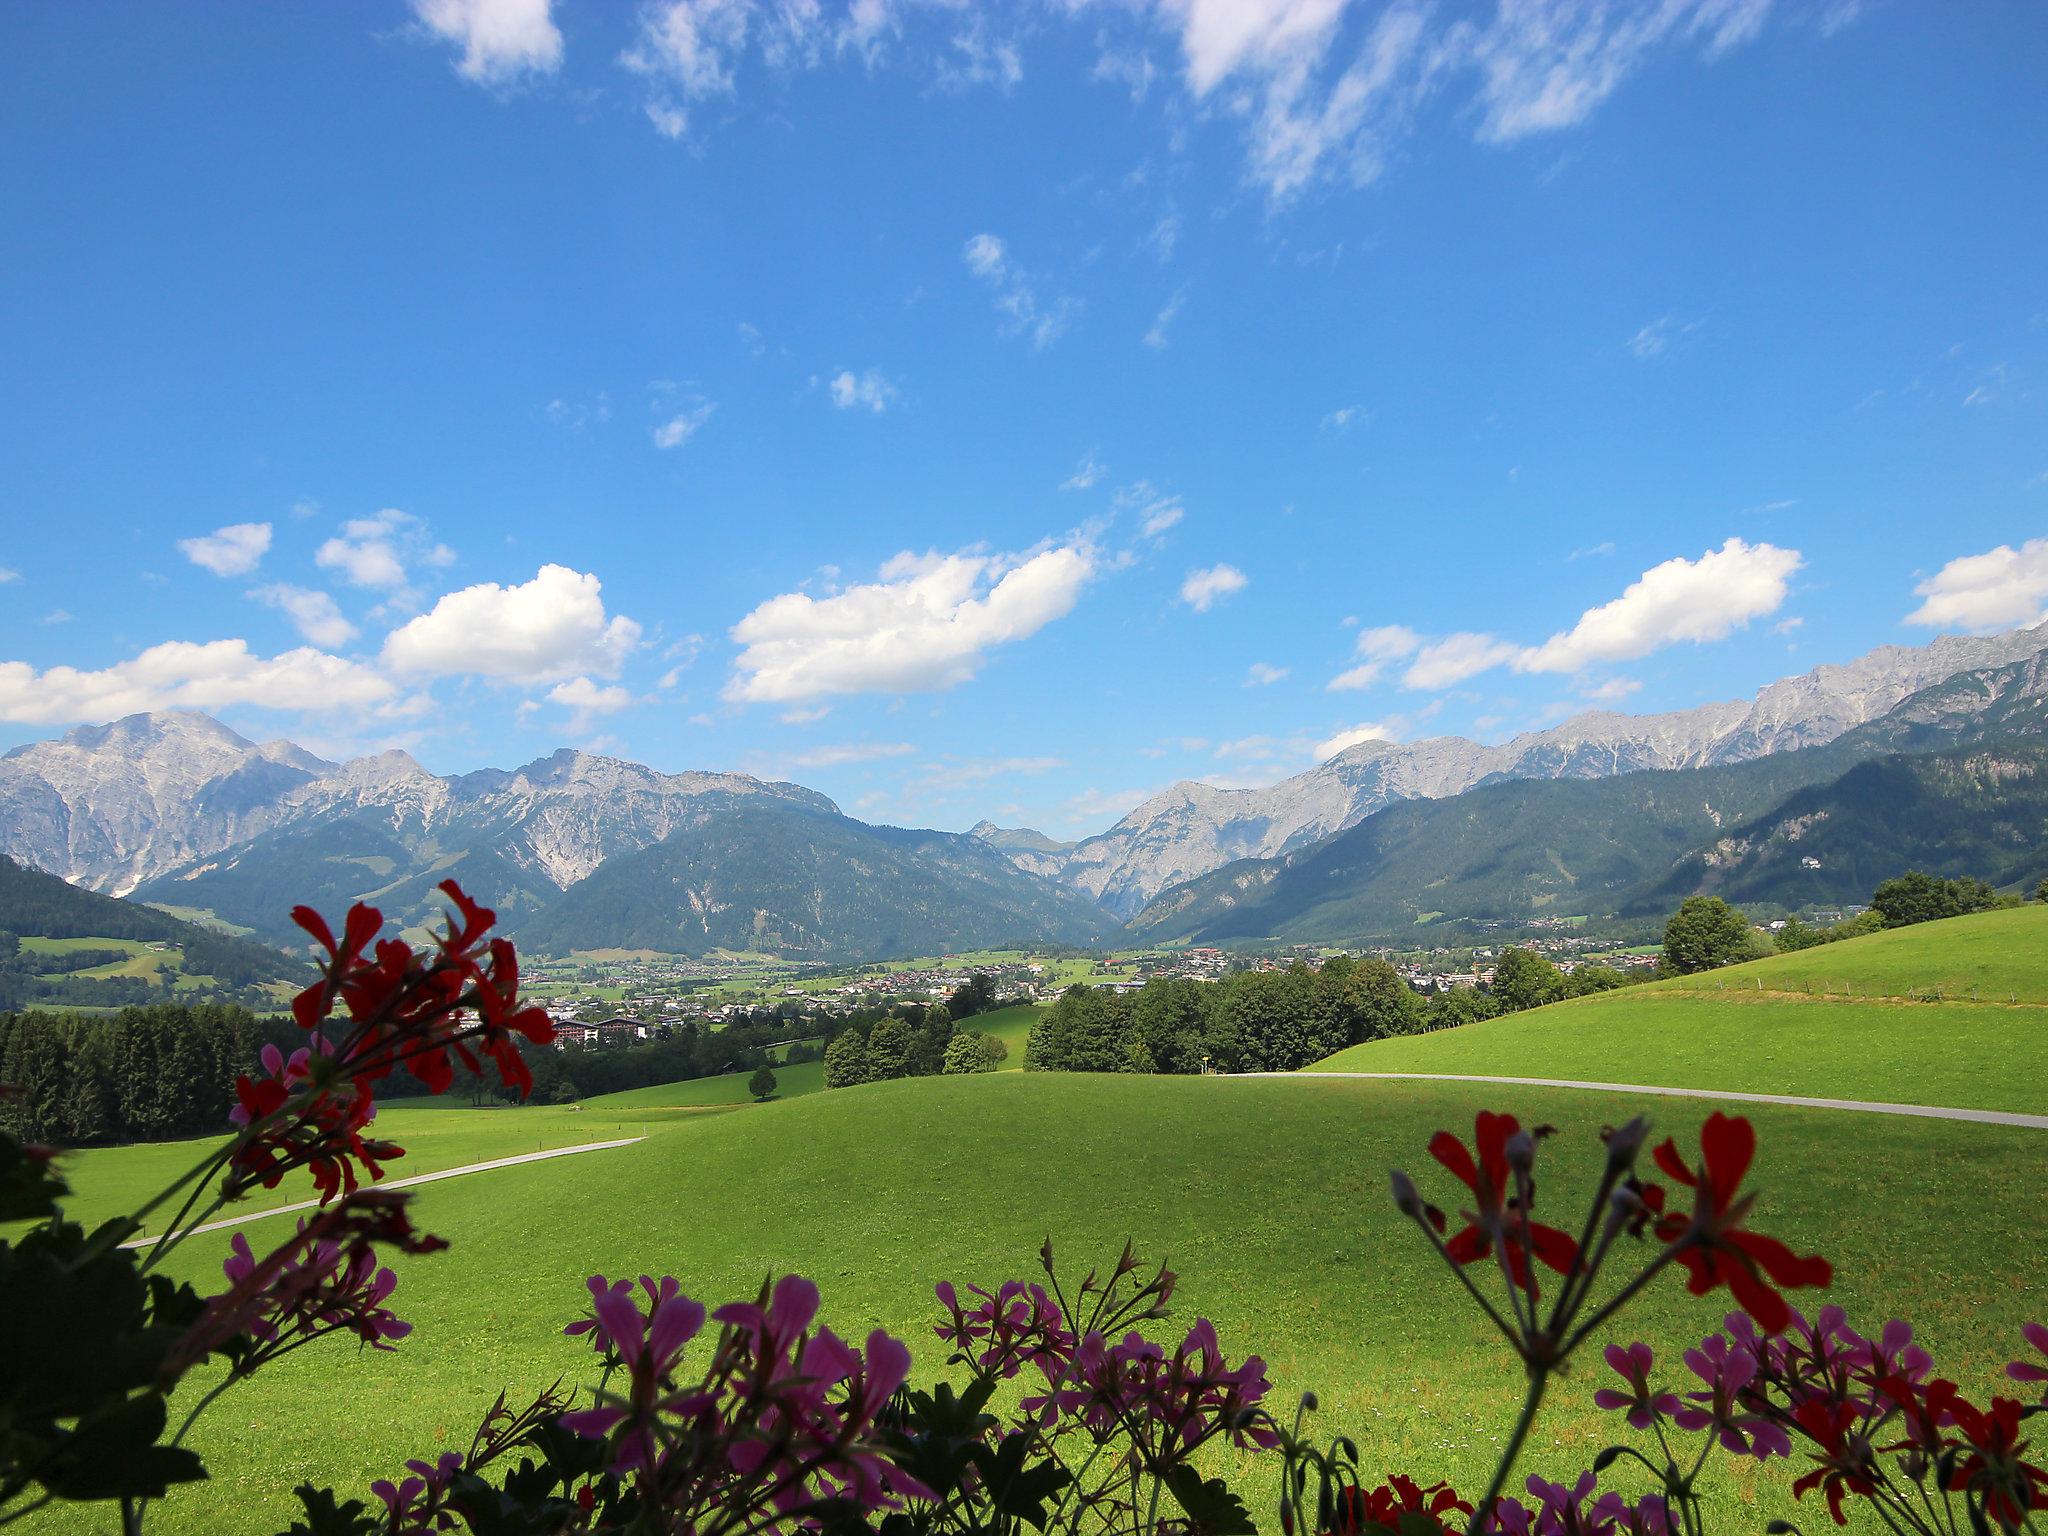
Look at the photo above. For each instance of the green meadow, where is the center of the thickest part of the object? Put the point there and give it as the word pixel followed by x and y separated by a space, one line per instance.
pixel 1268 1196
pixel 1756 1029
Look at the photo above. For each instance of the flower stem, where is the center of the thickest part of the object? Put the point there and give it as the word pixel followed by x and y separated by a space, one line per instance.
pixel 1482 1512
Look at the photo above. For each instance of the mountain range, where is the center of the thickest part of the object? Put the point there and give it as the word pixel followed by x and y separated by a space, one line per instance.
pixel 1191 828
pixel 583 851
pixel 1949 778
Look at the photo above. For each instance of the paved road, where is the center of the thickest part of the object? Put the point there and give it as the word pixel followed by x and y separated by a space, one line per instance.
pixel 418 1178
pixel 1860 1106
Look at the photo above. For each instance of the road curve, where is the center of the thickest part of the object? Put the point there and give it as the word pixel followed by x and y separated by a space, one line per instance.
pixel 1858 1106
pixel 418 1178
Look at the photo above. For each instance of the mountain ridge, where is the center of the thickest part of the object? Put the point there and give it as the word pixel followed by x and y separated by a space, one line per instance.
pixel 1191 827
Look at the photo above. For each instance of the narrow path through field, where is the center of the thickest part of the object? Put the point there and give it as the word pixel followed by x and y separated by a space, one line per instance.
pixel 1859 1106
pixel 418 1178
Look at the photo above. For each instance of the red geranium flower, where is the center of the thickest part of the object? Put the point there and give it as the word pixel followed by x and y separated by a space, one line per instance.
pixel 1993 1469
pixel 1500 1217
pixel 1716 1249
pixel 1845 1465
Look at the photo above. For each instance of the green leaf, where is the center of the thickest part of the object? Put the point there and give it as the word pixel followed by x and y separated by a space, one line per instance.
pixel 1215 1510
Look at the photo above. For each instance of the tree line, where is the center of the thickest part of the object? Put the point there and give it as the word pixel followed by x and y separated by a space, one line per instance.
pixel 910 1041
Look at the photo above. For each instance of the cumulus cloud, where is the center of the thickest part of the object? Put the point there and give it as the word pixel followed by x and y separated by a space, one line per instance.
pixel 1447 662
pixel 1017 294
pixel 499 39
pixel 546 630
pixel 378 551
pixel 589 701
pixel 1680 600
pixel 925 625
pixel 1263 674
pixel 1376 648
pixel 1203 589
pixel 2003 588
pixel 314 614
pixel 865 391
pixel 1697 600
pixel 181 674
pixel 235 550
pixel 1351 736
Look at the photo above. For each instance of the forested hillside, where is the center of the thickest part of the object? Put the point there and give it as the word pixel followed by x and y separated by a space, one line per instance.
pixel 789 881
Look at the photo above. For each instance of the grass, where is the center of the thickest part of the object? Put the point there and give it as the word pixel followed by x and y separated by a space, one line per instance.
pixel 437 1134
pixel 1012 1026
pixel 1995 956
pixel 1720 1030
pixel 1269 1197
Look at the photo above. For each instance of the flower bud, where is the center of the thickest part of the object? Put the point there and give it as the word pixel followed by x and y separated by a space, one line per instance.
pixel 1625 1143
pixel 1521 1152
pixel 1407 1198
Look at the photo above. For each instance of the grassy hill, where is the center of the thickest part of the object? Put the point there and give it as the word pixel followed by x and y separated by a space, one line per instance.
pixel 1837 1021
pixel 1268 1196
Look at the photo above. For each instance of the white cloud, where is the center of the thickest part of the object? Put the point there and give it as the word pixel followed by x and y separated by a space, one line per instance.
pixel 1319 99
pixel 1376 647
pixel 683 424
pixel 1263 675
pixel 1086 476
pixel 1592 551
pixel 377 551
pixel 1016 293
pixel 1655 339
pixel 1156 337
pixel 1697 600
pixel 960 772
pixel 1612 691
pixel 313 613
pixel 852 752
pixel 235 550
pixel 7 574
pixel 1341 418
pixel 181 674
pixel 1204 588
pixel 547 630
pixel 2003 588
pixel 589 701
pixel 1353 736
pixel 925 625
pixel 1160 516
pixel 1449 661
pixel 499 39
pixel 867 390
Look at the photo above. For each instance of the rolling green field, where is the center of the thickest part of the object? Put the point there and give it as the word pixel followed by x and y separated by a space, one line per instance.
pixel 1719 1030
pixel 1269 1197
pixel 1997 956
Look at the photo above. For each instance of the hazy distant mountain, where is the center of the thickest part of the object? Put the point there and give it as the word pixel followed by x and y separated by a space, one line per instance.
pixel 1192 828
pixel 1878 798
pixel 109 806
pixel 1030 851
pixel 772 877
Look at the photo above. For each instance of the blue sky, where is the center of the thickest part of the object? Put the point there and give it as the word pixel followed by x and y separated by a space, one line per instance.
pixel 1004 411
